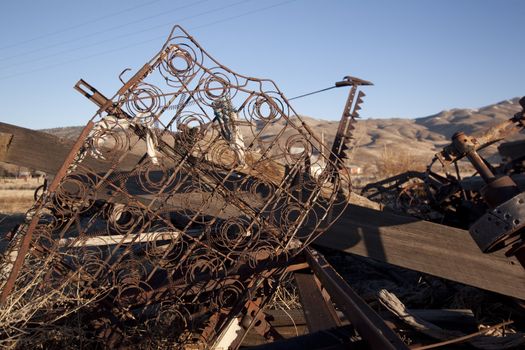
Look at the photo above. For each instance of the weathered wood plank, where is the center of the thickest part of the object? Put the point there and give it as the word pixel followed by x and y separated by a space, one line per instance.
pixel 34 149
pixel 40 151
pixel 423 246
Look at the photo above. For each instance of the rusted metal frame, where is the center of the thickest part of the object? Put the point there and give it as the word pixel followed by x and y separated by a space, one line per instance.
pixel 104 106
pixel 256 282
pixel 250 319
pixel 159 294
pixel 261 325
pixel 285 179
pixel 258 314
pixel 28 235
pixel 120 111
pixel 224 192
pixel 217 186
pixel 319 312
pixel 102 180
pixel 260 81
pixel 135 237
pixel 196 242
pixel 277 191
pixel 367 322
pixel 117 247
pixel 181 163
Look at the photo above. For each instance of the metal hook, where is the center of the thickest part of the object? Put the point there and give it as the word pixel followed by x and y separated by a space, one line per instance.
pixel 120 75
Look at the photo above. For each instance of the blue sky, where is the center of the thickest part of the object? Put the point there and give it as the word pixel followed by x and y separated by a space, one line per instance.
pixel 423 56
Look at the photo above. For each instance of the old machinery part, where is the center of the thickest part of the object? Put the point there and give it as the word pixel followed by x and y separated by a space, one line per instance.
pixel 451 153
pixel 499 224
pixel 348 118
pixel 498 189
pixel 442 194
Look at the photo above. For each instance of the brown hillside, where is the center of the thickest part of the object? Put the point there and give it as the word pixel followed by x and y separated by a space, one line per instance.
pixel 409 140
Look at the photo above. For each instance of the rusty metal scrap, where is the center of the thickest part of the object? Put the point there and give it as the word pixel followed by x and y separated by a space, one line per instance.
pixel 174 249
pixel 452 153
pixel 442 193
pixel 373 329
pixel 489 204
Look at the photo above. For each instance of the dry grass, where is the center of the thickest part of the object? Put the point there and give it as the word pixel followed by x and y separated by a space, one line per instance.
pixel 395 160
pixel 17 195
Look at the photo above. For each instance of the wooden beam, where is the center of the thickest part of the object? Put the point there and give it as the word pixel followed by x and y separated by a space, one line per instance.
pixel 33 149
pixel 40 151
pixel 423 246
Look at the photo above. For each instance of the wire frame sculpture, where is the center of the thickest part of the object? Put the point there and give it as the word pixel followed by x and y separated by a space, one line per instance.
pixel 183 200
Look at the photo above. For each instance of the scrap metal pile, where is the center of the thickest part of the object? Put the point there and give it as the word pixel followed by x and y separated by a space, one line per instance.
pixel 166 226
pixel 194 192
pixel 487 202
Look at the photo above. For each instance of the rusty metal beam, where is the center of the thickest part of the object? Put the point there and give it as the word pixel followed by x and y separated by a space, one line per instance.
pixel 319 313
pixel 372 328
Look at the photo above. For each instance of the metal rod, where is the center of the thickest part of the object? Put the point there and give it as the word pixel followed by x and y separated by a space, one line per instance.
pixel 366 321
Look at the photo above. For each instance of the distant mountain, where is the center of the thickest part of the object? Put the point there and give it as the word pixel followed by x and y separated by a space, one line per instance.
pixel 68 132
pixel 423 137
pixel 410 140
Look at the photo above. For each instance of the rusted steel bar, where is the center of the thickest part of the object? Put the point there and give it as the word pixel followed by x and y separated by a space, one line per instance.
pixel 319 313
pixel 366 321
